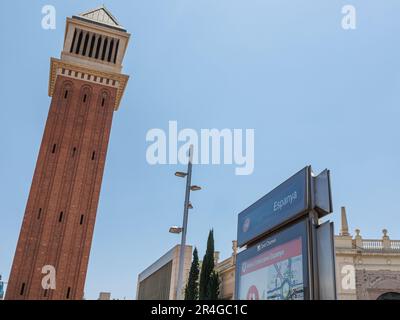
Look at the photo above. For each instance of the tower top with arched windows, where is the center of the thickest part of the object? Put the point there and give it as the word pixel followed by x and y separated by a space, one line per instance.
pixel 94 47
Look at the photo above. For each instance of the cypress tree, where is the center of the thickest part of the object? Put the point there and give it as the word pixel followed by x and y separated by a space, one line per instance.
pixel 213 286
pixel 192 287
pixel 207 268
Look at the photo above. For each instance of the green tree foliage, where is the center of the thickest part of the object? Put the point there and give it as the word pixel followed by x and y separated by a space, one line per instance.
pixel 192 287
pixel 213 286
pixel 209 280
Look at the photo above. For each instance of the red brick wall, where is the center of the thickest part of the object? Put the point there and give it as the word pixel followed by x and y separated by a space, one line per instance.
pixel 65 181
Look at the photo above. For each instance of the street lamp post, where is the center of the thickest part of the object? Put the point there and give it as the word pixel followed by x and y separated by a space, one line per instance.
pixel 183 229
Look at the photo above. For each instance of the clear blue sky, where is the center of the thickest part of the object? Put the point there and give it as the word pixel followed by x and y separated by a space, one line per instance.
pixel 314 93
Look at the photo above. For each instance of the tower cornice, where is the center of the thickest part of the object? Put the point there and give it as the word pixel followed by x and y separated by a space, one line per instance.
pixel 82 72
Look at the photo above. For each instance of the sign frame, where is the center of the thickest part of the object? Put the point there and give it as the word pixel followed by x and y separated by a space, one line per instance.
pixel 322 193
pixel 326 261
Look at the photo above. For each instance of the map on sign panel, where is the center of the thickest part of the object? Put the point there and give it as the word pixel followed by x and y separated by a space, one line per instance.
pixel 276 274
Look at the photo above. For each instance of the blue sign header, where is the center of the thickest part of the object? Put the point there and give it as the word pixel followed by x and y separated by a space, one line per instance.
pixel 283 204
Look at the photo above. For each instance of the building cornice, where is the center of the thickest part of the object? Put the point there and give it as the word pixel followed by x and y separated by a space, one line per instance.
pixel 77 71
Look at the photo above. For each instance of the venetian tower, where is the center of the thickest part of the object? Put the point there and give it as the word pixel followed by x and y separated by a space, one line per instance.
pixel 86 86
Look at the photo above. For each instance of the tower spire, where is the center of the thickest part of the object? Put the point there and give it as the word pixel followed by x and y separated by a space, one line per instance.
pixel 344 231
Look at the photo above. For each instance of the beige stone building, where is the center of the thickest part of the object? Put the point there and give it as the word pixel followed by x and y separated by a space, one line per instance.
pixel 104 296
pixel 366 269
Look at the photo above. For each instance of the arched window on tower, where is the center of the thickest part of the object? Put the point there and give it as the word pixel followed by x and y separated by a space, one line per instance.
pixel 104 97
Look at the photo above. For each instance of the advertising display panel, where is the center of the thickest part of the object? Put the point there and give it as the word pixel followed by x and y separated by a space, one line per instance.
pixel 275 268
pixel 287 202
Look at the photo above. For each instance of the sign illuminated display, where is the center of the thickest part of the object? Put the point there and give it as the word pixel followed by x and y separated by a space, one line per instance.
pixel 286 202
pixel 276 268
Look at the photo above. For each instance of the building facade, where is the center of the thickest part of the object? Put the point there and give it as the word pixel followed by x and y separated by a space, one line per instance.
pixel 366 269
pixel 104 296
pixel 86 86
pixel 160 280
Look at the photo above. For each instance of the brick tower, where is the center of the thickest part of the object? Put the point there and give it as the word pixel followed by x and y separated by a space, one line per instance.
pixel 86 86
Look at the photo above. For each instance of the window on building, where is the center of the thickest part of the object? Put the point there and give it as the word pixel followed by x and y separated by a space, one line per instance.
pixel 98 47
pixel 81 222
pixel 92 45
pixel 68 292
pixel 22 289
pixel 73 42
pixel 61 216
pixel 103 55
pixel 78 45
pixel 39 213
pixel 54 148
pixel 116 51
pixel 389 296
pixel 85 44
pixel 110 51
